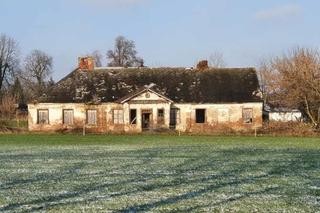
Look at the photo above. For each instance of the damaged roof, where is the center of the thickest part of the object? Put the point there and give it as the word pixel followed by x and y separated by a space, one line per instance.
pixel 214 85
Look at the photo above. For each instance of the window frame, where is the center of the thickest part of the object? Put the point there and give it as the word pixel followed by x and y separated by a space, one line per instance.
pixel 63 116
pixel 48 118
pixel 178 116
pixel 113 116
pixel 160 119
pixel 133 121
pixel 175 113
pixel 243 115
pixel 87 117
pixel 204 116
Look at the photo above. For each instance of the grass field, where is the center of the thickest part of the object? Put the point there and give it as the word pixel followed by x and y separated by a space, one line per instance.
pixel 67 173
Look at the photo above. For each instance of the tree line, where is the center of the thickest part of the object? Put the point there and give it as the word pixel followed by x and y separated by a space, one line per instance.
pixel 22 80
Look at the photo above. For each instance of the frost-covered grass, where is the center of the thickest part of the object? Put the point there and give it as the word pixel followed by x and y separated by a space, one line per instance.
pixel 68 173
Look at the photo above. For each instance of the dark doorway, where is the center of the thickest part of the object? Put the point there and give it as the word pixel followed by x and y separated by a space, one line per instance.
pixel 133 116
pixel 174 117
pixel 146 121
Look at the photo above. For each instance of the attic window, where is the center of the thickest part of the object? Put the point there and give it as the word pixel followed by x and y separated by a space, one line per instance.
pixel 133 116
pixel 247 115
pixel 200 116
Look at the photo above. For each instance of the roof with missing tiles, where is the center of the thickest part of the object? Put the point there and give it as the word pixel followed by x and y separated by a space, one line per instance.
pixel 223 85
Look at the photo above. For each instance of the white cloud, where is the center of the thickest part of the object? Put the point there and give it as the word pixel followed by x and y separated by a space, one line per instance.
pixel 280 13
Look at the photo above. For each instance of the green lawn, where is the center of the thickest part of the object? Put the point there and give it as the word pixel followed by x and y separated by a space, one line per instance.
pixel 68 173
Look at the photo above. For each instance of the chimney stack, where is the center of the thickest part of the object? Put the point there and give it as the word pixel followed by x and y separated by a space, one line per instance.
pixel 86 63
pixel 203 65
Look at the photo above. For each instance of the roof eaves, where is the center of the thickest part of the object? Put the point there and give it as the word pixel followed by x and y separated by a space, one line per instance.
pixel 67 76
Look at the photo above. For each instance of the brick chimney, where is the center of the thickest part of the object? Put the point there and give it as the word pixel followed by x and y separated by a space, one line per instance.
pixel 86 63
pixel 203 65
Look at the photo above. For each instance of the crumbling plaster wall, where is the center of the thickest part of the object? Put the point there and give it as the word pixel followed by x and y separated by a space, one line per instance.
pixel 104 117
pixel 218 116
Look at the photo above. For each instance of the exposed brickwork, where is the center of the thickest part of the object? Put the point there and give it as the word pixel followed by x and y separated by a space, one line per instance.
pixel 86 63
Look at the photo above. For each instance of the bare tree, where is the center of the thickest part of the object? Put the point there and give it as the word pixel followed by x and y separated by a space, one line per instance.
pixel 295 81
pixel 97 56
pixel 38 68
pixel 269 80
pixel 9 61
pixel 7 106
pixel 124 54
pixel 17 91
pixel 216 60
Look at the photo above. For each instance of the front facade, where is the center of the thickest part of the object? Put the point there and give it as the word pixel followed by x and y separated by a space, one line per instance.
pixel 144 111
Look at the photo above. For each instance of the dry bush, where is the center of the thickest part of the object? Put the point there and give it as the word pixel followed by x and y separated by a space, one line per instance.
pixel 288 129
pixel 7 106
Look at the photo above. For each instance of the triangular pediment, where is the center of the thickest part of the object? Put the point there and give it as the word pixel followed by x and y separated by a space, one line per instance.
pixel 144 95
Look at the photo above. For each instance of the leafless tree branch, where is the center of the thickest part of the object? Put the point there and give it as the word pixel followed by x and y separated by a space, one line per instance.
pixel 124 54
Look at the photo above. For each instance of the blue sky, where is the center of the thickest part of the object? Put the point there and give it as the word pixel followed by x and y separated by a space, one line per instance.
pixel 166 32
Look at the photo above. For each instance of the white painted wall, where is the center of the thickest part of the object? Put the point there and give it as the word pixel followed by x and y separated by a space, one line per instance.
pixel 294 116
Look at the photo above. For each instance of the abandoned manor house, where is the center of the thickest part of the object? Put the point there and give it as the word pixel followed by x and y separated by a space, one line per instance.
pixel 133 100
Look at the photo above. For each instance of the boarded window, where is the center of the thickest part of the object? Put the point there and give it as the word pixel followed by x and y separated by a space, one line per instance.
pixel 174 116
pixel 223 115
pixel 91 116
pixel 118 116
pixel 43 116
pixel 160 118
pixel 133 116
pixel 200 116
pixel 68 116
pixel 247 115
